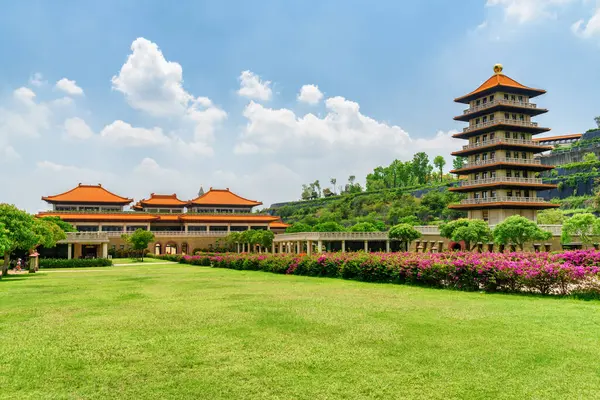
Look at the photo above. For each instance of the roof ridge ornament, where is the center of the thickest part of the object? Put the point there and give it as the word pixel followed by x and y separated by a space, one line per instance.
pixel 498 68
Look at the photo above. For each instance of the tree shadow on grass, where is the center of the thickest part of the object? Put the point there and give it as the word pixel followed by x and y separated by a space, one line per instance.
pixel 17 277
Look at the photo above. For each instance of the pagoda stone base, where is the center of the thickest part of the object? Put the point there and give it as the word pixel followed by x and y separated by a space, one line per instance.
pixel 496 216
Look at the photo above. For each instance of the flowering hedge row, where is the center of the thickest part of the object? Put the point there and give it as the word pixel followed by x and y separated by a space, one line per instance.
pixel 545 273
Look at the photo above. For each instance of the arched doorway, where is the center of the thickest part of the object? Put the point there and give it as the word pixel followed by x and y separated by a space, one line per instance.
pixel 455 246
pixel 157 249
pixel 171 248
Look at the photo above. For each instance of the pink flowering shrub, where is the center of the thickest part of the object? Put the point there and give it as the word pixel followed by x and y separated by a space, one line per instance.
pixel 543 273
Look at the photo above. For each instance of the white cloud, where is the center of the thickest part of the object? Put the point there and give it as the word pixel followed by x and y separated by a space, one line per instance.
pixel 25 96
pixel 76 128
pixel 123 134
pixel 37 79
pixel 310 94
pixel 529 10
pixel 253 88
pixel 150 83
pixel 69 87
pixel 590 28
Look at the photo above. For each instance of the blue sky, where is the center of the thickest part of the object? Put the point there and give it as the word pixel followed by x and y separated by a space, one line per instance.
pixel 146 96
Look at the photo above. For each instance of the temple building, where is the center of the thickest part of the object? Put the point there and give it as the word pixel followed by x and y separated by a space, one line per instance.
pixel 503 174
pixel 179 226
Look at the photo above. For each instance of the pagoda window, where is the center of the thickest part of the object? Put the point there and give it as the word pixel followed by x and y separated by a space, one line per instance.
pixel 485 118
pixel 476 139
pixel 484 175
pixel 493 174
pixel 518 193
pixel 527 193
pixel 524 155
pixel 515 135
pixel 491 98
pixel 476 157
pixel 508 174
pixel 507 135
pixel 476 195
pixel 65 208
pixel 484 139
pixel 521 99
pixel 217 228
pixel 89 208
pixel 505 96
pixel 506 116
pixel 112 228
pixel 484 100
pixel 508 154
pixel 521 117
pixel 476 177
pixel 478 102
pixel 477 121
pixel 484 195
pixel 513 97
pixel 522 136
pixel 514 117
pixel 196 228
pixel 493 155
pixel 259 228
pixel 133 228
pixel 491 117
pixel 509 193
pixel 517 174
pixel 492 193
pixel 238 228
pixel 524 174
pixel 484 156
pixel 493 134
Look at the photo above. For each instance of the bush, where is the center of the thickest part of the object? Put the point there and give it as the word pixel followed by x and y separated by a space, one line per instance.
pixel 542 273
pixel 74 263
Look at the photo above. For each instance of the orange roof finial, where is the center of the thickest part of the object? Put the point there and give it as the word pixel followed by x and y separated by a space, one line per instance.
pixel 498 69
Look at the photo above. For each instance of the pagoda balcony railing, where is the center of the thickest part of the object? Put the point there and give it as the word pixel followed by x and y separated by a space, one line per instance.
pixel 175 233
pixel 504 199
pixel 501 121
pixel 504 179
pixel 532 161
pixel 499 102
pixel 491 142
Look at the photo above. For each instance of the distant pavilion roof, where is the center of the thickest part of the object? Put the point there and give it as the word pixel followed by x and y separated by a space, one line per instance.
pixel 559 137
pixel 88 194
pixel 222 197
pixel 158 200
pixel 499 81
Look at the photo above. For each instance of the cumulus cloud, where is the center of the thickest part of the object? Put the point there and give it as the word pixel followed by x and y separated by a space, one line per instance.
pixel 69 87
pixel 310 94
pixel 252 87
pixel 588 29
pixel 123 134
pixel 529 10
pixel 154 85
pixel 76 128
pixel 25 96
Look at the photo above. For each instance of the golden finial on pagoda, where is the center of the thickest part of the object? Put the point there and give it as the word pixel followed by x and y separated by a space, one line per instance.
pixel 498 68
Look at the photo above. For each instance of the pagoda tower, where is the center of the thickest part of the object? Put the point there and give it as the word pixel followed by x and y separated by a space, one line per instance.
pixel 501 170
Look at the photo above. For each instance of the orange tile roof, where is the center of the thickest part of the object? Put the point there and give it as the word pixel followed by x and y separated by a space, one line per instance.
pixel 170 200
pixel 222 197
pixel 497 81
pixel 228 218
pixel 559 137
pixel 100 217
pixel 279 224
pixel 94 194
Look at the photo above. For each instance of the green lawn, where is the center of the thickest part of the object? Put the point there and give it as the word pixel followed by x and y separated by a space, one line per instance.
pixel 176 331
pixel 133 260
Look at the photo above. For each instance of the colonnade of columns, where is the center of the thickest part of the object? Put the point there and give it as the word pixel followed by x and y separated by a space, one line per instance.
pixel 318 246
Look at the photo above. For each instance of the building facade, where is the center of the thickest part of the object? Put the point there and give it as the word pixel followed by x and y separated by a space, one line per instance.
pixel 501 170
pixel 180 226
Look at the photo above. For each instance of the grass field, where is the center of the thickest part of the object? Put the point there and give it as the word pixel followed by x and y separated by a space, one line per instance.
pixel 176 331
pixel 134 261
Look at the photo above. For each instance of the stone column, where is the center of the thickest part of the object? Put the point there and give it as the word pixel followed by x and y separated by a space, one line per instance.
pixel 343 246
pixel 366 246
pixel 280 247
pixel 309 247
pixel 387 246
pixel 273 248
pixel 320 246
pixel 69 251
pixel 299 247
pixel 237 247
pixel 104 250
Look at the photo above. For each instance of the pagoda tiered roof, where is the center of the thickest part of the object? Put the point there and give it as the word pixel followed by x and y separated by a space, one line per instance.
pixel 496 83
pixel 160 200
pixel 72 216
pixel 88 194
pixel 222 197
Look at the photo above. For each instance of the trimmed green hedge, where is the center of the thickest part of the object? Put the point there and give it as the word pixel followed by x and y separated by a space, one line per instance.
pixel 74 263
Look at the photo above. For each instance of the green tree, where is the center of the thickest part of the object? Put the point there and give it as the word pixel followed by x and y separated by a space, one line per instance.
pixel 19 225
pixel 48 233
pixel 264 238
pixel 328 227
pixel 405 233
pixel 597 120
pixel 65 226
pixel 583 226
pixel 590 158
pixel 551 216
pixel 139 241
pixel 517 230
pixel 4 239
pixel 421 168
pixel 298 227
pixel 363 227
pixel 458 162
pixel 333 181
pixel 439 163
pixel 470 231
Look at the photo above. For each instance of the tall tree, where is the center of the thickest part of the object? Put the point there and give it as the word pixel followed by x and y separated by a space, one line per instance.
pixel 48 233
pixel 597 119
pixel 19 225
pixel 333 181
pixel 517 231
pixel 439 162
pixel 139 241
pixel 421 167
